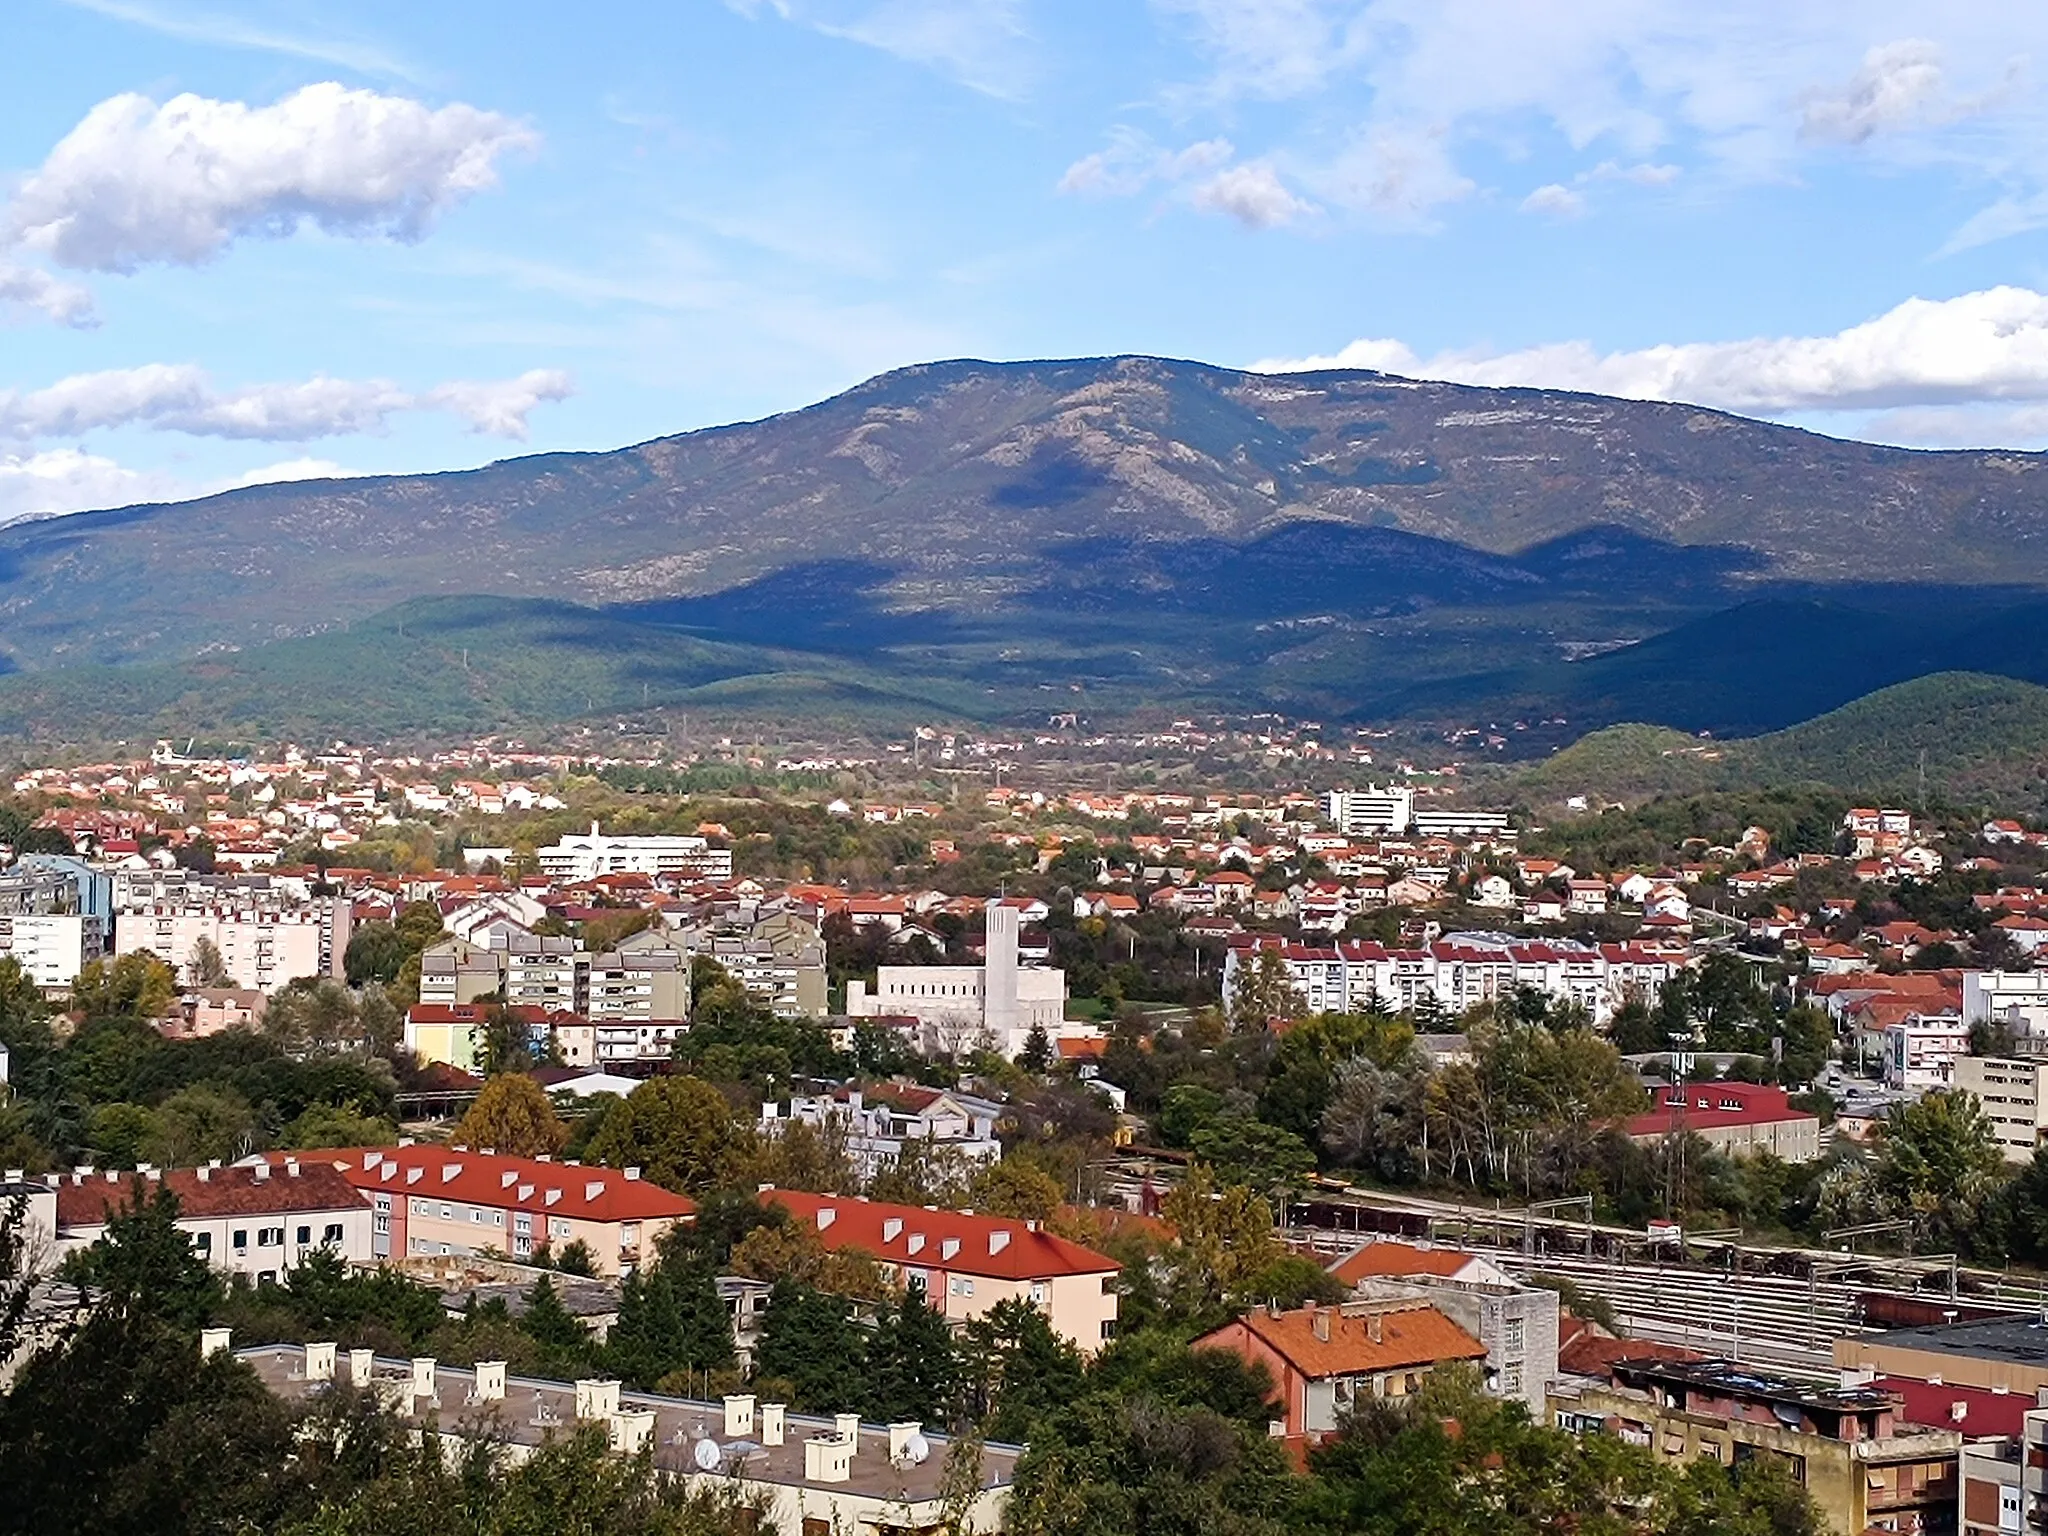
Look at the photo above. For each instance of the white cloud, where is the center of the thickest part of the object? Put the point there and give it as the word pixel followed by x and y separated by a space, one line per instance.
pixel 233 32
pixel 1978 347
pixel 71 480
pixel 1251 194
pixel 1899 85
pixel 500 406
pixel 30 288
pixel 1734 91
pixel 169 397
pixel 136 182
pixel 981 44
pixel 1557 200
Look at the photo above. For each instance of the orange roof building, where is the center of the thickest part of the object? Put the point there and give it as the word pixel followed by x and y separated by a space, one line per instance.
pixel 968 1262
pixel 450 1200
pixel 1324 1359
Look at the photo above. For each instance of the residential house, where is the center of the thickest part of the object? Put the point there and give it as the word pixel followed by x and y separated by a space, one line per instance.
pixel 967 1263
pixel 1323 1359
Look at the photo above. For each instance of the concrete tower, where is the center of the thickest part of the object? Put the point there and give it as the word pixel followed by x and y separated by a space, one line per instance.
pixel 999 1011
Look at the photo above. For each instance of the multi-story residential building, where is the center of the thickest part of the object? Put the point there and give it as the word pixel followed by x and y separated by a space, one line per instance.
pixel 779 959
pixel 802 1475
pixel 1323 1360
pixel 2014 1097
pixel 967 1263
pixel 585 857
pixel 1462 970
pixel 2004 1491
pixel 452 1200
pixel 1864 1467
pixel 644 981
pixel 56 914
pixel 258 1218
pixel 878 1127
pixel 1516 1323
pixel 2016 999
pixel 1371 811
pixel 1922 1049
pixel 264 938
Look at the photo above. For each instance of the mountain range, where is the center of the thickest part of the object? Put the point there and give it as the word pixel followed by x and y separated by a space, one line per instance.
pixel 984 539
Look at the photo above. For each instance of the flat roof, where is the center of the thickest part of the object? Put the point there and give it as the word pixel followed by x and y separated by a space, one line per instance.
pixel 2021 1339
pixel 534 1411
pixel 1731 1379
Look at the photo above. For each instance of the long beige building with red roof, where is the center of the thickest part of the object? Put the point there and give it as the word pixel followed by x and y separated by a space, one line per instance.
pixel 968 1262
pixel 259 1218
pixel 451 1200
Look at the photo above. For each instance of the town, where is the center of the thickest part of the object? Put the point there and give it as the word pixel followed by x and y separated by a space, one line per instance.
pixel 835 1138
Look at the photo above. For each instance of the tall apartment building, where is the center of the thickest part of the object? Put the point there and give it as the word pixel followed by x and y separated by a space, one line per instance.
pixel 644 980
pixel 261 946
pixel 780 960
pixel 2014 1097
pixel 55 915
pixel 582 856
pixel 1370 811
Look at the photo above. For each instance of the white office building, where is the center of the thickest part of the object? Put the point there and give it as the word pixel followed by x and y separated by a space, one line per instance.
pixel 1370 811
pixel 586 856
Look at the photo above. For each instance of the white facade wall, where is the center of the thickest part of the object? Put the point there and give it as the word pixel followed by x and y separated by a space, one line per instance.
pixel 50 949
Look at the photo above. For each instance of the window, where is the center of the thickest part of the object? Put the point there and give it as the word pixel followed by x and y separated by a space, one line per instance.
pixel 331 1233
pixel 447 1213
pixel 270 1237
pixel 203 1242
pixel 305 1236
pixel 241 1240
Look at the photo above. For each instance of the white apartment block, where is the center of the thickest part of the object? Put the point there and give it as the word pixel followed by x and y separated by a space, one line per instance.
pixel 2014 1097
pixel 52 948
pixel 1922 1051
pixel 586 856
pixel 1365 812
pixel 2017 999
pixel 261 947
pixel 1463 970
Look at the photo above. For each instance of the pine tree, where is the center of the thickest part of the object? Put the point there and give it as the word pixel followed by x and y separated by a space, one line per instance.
pixel 703 1325
pixel 809 1340
pixel 563 1341
pixel 1036 1057
pixel 913 1367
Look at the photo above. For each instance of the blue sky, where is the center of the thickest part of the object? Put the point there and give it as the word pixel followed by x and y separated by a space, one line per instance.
pixel 255 238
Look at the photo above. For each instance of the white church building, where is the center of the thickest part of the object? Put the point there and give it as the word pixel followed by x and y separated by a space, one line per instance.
pixel 961 1007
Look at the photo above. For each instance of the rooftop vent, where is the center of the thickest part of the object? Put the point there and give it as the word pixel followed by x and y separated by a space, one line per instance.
pixel 826 1216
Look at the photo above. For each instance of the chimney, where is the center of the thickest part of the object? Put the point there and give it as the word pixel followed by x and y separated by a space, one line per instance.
pixel 204 1175
pixel 260 1172
pixel 215 1341
pixel 596 1399
pixel 291 1167
pixel 423 1376
pixel 631 1430
pixel 1319 1322
pixel 847 1426
pixel 1376 1328
pixel 320 1362
pixel 490 1381
pixel 362 1365
pixel 633 1174
pixel 900 1436
pixel 827 1459
pixel 771 1423
pixel 739 1417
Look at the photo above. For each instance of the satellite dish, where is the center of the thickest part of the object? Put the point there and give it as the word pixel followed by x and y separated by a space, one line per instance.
pixel 707 1455
pixel 916 1449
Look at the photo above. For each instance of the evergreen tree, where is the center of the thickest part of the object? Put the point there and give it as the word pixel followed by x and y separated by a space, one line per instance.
pixel 563 1341
pixel 913 1367
pixel 143 1263
pixel 1036 1057
pixel 1019 1370
pixel 809 1340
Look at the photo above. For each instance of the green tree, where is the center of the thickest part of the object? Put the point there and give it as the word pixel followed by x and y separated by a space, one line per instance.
pixel 377 951
pixel 207 966
pixel 1016 1188
pixel 1036 1057
pixel 144 1264
pixel 1016 1370
pixel 564 1343
pixel 136 985
pixel 511 1115
pixel 1938 1161
pixel 679 1131
pixel 913 1369
pixel 199 1123
pixel 810 1342
pixel 1242 1150
pixel 1225 1239
pixel 1263 993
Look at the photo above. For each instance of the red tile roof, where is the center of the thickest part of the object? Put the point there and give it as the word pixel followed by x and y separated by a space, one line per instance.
pixel 1713 1105
pixel 957 1242
pixel 1408 1336
pixel 579 1193
pixel 87 1200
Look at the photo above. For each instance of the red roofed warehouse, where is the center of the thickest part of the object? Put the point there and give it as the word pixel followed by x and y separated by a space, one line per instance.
pixel 1323 1359
pixel 968 1263
pixel 452 1200
pixel 1734 1117
pixel 258 1219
